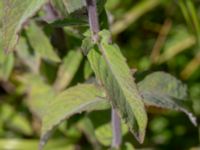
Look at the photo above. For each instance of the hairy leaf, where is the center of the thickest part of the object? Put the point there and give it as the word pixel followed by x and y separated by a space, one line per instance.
pixel 162 90
pixel 111 69
pixel 67 69
pixel 40 43
pixel 15 14
pixel 85 97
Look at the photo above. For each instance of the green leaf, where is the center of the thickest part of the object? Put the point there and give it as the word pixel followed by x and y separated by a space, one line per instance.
pixel 67 69
pixel 15 14
pixel 38 98
pixel 113 72
pixel 73 5
pixel 161 90
pixel 6 63
pixel 87 70
pixel 76 8
pixel 83 97
pixel 69 22
pixel 103 127
pixel 40 43
pixel 32 144
pixel 14 120
pixel 29 58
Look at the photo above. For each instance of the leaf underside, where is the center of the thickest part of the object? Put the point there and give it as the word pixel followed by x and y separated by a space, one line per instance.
pixel 161 90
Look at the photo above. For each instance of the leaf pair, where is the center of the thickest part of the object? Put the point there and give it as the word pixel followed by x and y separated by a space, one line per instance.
pixel 156 92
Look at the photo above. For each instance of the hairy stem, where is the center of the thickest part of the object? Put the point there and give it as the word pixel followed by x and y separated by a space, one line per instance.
pixel 93 18
pixel 116 130
pixel 94 27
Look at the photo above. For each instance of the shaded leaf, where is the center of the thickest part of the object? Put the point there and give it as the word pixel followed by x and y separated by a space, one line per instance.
pixel 6 63
pixel 67 69
pixel 103 127
pixel 85 125
pixel 87 70
pixel 113 72
pixel 69 22
pixel 162 90
pixel 85 97
pixel 73 5
pixel 15 14
pixel 40 43
pixel 27 57
pixel 15 120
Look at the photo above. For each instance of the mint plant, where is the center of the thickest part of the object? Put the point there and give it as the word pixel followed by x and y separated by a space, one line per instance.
pixel 114 87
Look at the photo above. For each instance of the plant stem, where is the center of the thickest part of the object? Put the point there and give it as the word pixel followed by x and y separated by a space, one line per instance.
pixel 94 27
pixel 93 18
pixel 116 130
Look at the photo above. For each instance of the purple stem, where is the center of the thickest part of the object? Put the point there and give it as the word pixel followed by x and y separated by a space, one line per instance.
pixel 116 129
pixel 94 26
pixel 93 18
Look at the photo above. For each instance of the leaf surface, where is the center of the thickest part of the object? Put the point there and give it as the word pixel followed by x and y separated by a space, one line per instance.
pixel 113 72
pixel 40 43
pixel 67 69
pixel 15 14
pixel 83 97
pixel 6 63
pixel 161 90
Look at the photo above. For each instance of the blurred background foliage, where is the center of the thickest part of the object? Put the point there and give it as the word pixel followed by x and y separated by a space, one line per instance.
pixel 153 35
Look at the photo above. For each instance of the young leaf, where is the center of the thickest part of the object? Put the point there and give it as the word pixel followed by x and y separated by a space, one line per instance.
pixel 40 43
pixel 85 97
pixel 68 69
pixel 15 14
pixel 162 90
pixel 115 75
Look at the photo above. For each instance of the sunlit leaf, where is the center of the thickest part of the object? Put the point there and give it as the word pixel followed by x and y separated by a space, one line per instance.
pixel 115 76
pixel 83 97
pixel 38 98
pixel 162 90
pixel 22 144
pixel 15 14
pixel 67 69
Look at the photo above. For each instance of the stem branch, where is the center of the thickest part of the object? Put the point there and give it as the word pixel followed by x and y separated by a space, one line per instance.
pixel 94 27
